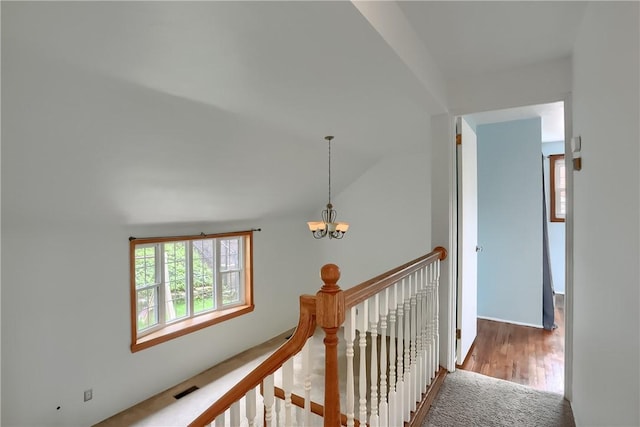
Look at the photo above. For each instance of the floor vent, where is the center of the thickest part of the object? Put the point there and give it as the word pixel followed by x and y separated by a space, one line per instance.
pixel 185 392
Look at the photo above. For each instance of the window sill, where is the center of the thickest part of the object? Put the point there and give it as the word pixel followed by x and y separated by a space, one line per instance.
pixel 187 326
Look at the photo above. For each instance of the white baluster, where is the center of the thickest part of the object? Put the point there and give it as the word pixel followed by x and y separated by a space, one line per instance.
pixel 235 414
pixel 306 369
pixel 374 313
pixel 298 414
pixel 434 302
pixel 400 389
pixel 406 399
pixel 384 310
pixel 419 343
pixel 363 315
pixel 413 371
pixel 251 407
pixel 278 419
pixel 436 315
pixel 432 319
pixel 349 337
pixel 268 399
pixel 422 317
pixel 425 329
pixel 287 385
pixel 220 420
pixel 393 298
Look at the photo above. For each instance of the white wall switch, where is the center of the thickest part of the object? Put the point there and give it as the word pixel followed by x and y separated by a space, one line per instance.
pixel 576 144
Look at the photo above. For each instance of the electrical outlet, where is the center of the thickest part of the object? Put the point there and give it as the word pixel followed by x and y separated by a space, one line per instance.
pixel 88 395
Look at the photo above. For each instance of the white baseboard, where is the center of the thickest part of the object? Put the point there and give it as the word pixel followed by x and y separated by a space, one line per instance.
pixel 510 321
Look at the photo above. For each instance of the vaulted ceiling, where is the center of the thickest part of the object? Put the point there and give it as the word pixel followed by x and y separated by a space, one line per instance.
pixel 222 107
pixel 471 37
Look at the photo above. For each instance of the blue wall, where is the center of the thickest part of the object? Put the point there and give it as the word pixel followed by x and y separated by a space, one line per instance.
pixel 556 229
pixel 510 221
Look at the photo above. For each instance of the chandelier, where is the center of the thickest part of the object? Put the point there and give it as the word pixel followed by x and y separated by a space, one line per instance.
pixel 328 226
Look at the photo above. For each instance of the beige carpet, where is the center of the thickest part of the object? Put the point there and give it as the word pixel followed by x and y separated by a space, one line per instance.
pixel 163 410
pixel 468 399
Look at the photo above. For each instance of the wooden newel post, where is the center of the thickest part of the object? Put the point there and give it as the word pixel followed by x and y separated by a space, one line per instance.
pixel 443 252
pixel 330 316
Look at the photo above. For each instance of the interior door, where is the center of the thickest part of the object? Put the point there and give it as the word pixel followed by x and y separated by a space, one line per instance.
pixel 467 310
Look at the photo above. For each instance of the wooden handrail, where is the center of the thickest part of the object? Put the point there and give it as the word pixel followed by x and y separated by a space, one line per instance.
pixel 305 329
pixel 366 290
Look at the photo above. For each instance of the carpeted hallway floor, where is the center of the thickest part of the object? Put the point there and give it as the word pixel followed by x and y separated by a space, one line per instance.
pixel 469 399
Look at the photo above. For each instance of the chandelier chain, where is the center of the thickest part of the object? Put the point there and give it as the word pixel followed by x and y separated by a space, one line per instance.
pixel 329 171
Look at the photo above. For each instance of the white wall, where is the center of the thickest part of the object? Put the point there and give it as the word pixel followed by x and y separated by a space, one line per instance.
pixel 534 84
pixel 606 363
pixel 0 246
pixel 510 221
pixel 556 229
pixel 65 295
pixel 66 217
pixel 65 250
pixel 66 316
pixel 389 212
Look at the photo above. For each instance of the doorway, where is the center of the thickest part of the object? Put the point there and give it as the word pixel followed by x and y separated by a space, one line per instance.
pixel 511 343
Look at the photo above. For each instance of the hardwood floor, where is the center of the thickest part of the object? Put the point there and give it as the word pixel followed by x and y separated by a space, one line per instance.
pixel 521 354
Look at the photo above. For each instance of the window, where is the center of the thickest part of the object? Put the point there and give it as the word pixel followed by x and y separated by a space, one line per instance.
pixel 182 284
pixel 558 188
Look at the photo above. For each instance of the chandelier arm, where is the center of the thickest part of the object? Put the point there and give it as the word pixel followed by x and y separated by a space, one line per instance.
pixel 336 234
pixel 319 234
pixel 331 215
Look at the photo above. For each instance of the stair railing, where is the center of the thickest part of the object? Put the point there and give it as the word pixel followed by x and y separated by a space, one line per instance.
pixel 391 321
pixel 244 389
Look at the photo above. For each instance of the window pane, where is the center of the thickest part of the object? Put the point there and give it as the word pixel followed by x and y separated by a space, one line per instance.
pixel 561 203
pixel 145 257
pixel 560 174
pixel 231 288
pixel 558 194
pixel 229 254
pixel 147 308
pixel 560 190
pixel 175 276
pixel 203 275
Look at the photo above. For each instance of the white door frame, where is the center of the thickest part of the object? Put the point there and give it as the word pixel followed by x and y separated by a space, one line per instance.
pixel 444 231
pixel 443 131
pixel 467 284
pixel 568 224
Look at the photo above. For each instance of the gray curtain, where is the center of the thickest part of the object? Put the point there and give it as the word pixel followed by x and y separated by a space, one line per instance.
pixel 548 314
